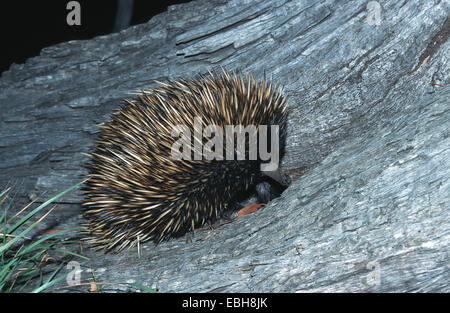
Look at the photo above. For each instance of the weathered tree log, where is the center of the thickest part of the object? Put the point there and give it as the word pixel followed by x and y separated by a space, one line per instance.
pixel 368 123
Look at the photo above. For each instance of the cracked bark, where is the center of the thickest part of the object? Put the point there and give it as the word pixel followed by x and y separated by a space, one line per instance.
pixel 368 141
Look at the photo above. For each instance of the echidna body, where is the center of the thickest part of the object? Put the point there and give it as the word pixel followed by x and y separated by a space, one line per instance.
pixel 137 191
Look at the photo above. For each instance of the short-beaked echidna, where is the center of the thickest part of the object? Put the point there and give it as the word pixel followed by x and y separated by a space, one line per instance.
pixel 137 191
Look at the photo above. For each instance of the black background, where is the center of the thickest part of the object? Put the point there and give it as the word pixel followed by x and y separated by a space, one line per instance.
pixel 28 26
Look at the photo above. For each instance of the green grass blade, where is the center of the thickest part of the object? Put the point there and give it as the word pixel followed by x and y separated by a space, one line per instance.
pixel 51 283
pixel 143 288
pixel 15 239
pixel 4 192
pixel 45 238
pixel 71 253
pixel 7 272
pixel 29 215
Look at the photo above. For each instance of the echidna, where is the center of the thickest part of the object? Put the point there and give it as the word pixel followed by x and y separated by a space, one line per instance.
pixel 137 190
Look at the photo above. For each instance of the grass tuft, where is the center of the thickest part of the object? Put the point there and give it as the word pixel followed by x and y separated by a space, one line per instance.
pixel 24 263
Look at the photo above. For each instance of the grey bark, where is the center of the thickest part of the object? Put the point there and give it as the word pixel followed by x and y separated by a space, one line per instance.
pixel 368 141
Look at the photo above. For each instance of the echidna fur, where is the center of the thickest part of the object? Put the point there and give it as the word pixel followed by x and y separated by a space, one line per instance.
pixel 137 192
